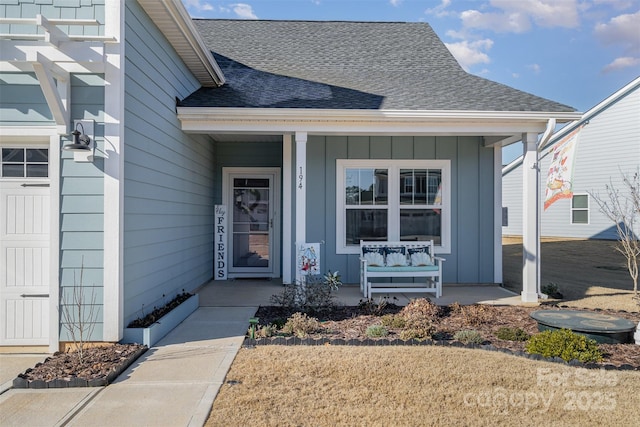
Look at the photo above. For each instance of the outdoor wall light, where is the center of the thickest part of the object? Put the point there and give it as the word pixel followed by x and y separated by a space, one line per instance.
pixel 84 143
pixel 81 141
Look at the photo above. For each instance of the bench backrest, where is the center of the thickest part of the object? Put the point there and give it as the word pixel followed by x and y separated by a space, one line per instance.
pixel 406 244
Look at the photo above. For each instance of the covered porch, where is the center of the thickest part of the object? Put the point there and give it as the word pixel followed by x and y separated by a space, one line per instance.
pixel 257 292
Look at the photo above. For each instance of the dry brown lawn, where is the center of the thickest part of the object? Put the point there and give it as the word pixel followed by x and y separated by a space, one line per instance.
pixel 417 386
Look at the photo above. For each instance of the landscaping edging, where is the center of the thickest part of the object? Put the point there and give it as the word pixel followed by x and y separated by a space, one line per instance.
pixel 249 342
pixel 154 333
pixel 20 382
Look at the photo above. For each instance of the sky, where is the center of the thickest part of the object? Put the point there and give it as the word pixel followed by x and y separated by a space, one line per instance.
pixel 577 52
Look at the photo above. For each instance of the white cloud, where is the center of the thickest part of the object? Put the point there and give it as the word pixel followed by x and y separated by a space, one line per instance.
pixel 498 22
pixel 518 16
pixel 534 67
pixel 440 10
pixel 244 11
pixel 471 53
pixel 622 29
pixel 198 5
pixel 515 75
pixel 620 63
pixel 395 2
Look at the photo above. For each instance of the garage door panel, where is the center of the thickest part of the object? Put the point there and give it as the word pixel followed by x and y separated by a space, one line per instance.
pixel 26 215
pixel 26 319
pixel 26 266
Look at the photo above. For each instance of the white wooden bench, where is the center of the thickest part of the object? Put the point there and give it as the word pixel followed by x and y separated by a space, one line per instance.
pixel 391 265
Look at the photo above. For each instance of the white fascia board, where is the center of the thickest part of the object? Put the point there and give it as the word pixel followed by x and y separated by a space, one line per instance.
pixel 206 119
pixel 184 34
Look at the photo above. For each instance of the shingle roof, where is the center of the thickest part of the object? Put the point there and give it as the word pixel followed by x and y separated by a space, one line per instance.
pixel 346 65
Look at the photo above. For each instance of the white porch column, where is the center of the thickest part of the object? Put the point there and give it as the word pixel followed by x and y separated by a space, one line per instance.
pixel 287 209
pixel 301 192
pixel 113 175
pixel 530 223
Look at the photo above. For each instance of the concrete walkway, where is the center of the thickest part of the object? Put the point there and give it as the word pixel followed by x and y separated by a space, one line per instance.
pixel 175 382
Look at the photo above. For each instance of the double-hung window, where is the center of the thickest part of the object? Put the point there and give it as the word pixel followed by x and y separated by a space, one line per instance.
pixel 580 209
pixel 392 200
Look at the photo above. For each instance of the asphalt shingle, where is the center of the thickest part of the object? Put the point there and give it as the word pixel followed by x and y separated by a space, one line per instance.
pixel 347 65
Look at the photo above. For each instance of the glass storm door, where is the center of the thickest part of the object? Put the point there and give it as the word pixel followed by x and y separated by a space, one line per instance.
pixel 251 201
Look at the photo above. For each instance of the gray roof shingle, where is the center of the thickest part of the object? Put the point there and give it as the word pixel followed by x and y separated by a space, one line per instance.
pixel 346 65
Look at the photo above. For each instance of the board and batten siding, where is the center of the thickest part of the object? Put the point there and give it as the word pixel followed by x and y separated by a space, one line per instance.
pixel 472 204
pixel 168 175
pixel 608 146
pixel 82 209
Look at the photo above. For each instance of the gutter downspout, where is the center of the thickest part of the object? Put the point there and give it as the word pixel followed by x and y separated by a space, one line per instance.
pixel 546 136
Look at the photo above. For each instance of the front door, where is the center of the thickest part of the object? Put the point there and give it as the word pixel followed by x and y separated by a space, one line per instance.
pixel 24 246
pixel 253 200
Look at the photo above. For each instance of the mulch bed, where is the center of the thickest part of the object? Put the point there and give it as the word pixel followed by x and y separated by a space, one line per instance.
pixel 99 367
pixel 348 325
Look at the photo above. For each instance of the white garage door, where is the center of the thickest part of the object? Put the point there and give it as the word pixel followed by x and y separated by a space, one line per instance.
pixel 24 246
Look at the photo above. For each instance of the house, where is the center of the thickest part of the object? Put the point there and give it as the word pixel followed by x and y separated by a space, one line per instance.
pixel 302 132
pixel 602 146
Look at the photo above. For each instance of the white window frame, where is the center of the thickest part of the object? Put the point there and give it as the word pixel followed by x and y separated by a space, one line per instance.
pixel 394 206
pixel 572 209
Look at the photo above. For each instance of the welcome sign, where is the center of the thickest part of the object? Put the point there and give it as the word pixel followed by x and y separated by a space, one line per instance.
pixel 220 243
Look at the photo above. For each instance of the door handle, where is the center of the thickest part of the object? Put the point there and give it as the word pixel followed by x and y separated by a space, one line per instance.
pixel 35 295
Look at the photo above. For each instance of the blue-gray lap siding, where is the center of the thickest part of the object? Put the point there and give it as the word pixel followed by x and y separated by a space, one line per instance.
pixel 82 209
pixel 608 146
pixel 472 206
pixel 168 175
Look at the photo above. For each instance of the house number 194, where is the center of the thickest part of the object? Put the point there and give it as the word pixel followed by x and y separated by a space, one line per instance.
pixel 300 178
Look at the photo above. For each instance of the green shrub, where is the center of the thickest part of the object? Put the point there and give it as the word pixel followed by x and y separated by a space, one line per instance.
pixel 393 321
pixel 512 334
pixel 377 331
pixel 565 344
pixel 552 290
pixel 468 337
pixel 301 325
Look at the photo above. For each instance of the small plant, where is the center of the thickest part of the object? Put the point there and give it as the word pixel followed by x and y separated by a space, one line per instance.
pixel 332 280
pixel 312 296
pixel 375 308
pixel 552 290
pixel 512 334
pixel 301 325
pixel 266 331
pixel 377 331
pixel 79 313
pixel 475 314
pixel 393 321
pixel 468 337
pixel 565 344
pixel 418 331
pixel 421 307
